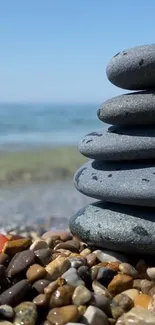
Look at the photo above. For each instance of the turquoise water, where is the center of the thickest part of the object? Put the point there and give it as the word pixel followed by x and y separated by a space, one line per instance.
pixel 29 125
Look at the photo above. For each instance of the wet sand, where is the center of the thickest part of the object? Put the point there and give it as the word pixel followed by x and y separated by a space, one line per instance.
pixel 51 203
pixel 36 186
pixel 39 165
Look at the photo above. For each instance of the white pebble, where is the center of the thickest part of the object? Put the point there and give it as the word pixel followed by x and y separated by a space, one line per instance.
pixel 109 256
pixel 38 244
pixel 151 272
pixel 95 316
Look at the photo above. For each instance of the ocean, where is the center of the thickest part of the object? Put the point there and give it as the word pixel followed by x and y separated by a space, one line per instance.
pixel 28 125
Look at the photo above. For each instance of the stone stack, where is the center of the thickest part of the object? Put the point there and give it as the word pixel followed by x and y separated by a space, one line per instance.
pixel 121 169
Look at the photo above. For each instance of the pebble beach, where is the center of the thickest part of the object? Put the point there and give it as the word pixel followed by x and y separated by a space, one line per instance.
pixel 65 260
pixel 55 279
pixel 77 163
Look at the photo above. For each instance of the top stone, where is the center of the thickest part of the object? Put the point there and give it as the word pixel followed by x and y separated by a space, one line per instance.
pixel 133 69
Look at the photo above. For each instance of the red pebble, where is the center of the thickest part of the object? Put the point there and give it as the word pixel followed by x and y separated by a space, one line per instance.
pixel 3 240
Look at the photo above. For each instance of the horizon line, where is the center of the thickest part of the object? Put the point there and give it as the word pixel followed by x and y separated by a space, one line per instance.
pixel 50 102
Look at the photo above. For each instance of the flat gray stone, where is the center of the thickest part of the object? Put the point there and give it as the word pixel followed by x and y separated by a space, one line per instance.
pixel 118 182
pixel 133 68
pixel 119 143
pixel 116 227
pixel 129 109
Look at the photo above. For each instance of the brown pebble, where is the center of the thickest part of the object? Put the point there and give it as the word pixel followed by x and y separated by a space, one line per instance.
pixel 102 264
pixel 71 245
pixel 57 267
pixel 128 269
pixel 38 244
pixel 51 288
pixel 4 258
pixel 58 241
pixel 75 237
pixel 146 286
pixel 60 281
pixel 64 235
pixel 51 241
pixel 132 293
pixel 113 265
pixel 137 284
pixel 15 293
pixel 62 252
pixel 41 300
pixel 120 283
pixel 82 309
pixel 85 252
pixel 141 268
pixel 35 272
pixel 152 291
pixel 20 262
pixel 120 305
pixel 15 246
pixel 94 272
pixel 75 255
pixel 62 296
pixel 91 259
pixel 57 254
pixel 142 301
pixel 63 315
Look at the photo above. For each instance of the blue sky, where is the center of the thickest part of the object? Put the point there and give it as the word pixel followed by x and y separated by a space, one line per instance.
pixel 57 50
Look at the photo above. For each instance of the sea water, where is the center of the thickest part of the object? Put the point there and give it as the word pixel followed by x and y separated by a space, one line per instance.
pixel 29 125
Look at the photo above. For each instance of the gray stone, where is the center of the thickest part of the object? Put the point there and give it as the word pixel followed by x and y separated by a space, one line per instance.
pixel 95 316
pixel 118 182
pixel 6 311
pixel 16 293
pixel 40 285
pixel 102 302
pixel 117 227
pixel 133 68
pixel 76 262
pixel 129 109
pixel 20 263
pixel 72 278
pixel 137 316
pixel 119 143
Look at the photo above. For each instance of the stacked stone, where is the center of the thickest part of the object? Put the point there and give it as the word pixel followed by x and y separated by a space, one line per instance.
pixel 121 169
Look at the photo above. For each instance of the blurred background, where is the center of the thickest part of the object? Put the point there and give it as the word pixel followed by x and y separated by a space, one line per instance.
pixel 53 57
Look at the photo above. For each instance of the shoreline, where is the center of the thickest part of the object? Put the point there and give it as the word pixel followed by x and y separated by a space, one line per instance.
pixel 39 165
pixel 49 204
pixel 36 186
